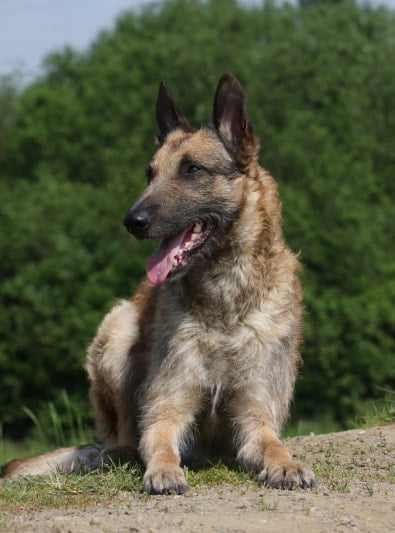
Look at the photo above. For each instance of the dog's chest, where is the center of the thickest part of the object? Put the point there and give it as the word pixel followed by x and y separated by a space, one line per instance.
pixel 224 364
pixel 224 352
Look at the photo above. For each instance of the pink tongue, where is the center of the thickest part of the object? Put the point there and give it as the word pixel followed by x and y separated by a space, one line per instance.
pixel 160 263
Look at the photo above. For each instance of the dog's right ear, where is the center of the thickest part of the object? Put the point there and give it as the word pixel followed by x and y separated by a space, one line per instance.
pixel 168 116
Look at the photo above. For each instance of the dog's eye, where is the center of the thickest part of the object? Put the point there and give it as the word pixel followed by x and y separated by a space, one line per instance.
pixel 189 167
pixel 192 169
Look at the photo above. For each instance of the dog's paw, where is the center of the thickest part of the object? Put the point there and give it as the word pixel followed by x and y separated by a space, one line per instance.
pixel 287 475
pixel 165 479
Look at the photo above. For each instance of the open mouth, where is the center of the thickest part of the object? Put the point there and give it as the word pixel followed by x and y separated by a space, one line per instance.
pixel 174 253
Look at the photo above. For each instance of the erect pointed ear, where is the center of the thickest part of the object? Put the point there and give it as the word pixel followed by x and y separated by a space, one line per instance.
pixel 230 117
pixel 168 116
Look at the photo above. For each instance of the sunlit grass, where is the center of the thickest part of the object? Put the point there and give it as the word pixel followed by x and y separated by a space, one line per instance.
pixel 61 489
pixel 55 429
pixel 307 426
pixel 51 429
pixel 56 490
pixel 378 412
pixel 217 474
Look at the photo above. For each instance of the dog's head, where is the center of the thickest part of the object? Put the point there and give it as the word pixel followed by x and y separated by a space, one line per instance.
pixel 194 191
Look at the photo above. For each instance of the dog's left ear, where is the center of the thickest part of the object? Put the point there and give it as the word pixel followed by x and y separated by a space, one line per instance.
pixel 168 116
pixel 231 120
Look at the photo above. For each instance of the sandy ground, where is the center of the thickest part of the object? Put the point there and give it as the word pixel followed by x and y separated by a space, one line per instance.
pixel 355 492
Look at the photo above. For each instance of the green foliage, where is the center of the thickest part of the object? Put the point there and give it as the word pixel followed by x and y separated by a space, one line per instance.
pixel 65 258
pixel 60 425
pixel 319 81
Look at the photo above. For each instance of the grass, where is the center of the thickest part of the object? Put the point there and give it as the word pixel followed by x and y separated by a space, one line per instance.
pixel 316 426
pixel 63 490
pixel 52 428
pixel 265 506
pixel 218 474
pixel 378 412
pixel 342 467
pixel 59 426
pixel 371 413
pixel 337 467
pixel 337 472
pixel 59 489
pixel 330 468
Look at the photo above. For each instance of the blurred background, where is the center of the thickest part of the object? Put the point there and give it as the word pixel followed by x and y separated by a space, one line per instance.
pixel 76 132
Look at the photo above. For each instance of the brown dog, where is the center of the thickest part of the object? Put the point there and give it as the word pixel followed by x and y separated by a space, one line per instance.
pixel 205 355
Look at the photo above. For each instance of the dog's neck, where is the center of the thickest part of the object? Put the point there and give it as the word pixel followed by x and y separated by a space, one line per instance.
pixel 227 286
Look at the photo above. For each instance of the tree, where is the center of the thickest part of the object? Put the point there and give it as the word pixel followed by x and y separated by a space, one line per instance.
pixel 319 85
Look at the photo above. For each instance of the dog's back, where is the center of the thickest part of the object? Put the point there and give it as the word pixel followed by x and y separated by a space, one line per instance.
pixel 208 349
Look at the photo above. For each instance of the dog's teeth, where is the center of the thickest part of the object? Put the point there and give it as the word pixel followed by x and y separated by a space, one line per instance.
pixel 197 227
pixel 175 262
pixel 194 236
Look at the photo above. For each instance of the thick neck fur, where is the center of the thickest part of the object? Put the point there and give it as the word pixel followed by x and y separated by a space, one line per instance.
pixel 242 274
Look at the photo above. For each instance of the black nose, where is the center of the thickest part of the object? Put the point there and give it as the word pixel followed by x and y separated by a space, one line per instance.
pixel 137 222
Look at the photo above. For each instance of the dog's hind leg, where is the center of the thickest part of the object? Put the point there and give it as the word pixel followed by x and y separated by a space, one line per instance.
pixel 114 379
pixel 74 459
pixel 109 368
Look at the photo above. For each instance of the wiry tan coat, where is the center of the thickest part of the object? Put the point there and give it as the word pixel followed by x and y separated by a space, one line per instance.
pixel 203 359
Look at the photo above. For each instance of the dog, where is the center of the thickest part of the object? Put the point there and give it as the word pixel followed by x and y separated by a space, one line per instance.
pixel 204 357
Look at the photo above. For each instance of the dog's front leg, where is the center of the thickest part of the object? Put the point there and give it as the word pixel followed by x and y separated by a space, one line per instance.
pixel 260 449
pixel 165 425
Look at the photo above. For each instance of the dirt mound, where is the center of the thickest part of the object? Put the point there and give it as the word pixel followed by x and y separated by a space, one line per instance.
pixel 355 491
